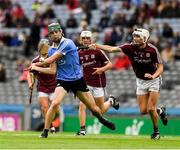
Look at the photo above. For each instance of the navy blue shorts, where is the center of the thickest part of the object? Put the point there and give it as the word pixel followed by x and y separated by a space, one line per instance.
pixel 73 86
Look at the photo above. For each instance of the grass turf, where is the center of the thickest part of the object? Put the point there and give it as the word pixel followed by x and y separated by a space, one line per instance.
pixel 30 140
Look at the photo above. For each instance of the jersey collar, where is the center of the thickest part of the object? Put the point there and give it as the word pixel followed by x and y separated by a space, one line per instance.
pixel 62 39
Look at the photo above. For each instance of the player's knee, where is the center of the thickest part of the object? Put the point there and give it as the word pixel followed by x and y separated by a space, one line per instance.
pixel 96 111
pixel 143 111
pixel 151 108
pixel 103 110
pixel 44 109
pixel 55 105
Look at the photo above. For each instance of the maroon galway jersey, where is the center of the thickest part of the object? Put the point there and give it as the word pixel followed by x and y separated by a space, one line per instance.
pixel 46 82
pixel 143 60
pixel 93 59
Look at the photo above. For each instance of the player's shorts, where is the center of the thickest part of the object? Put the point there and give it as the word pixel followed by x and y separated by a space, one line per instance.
pixel 96 91
pixel 49 95
pixel 73 86
pixel 145 86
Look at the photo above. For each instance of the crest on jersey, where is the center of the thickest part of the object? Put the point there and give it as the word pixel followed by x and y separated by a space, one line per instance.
pixel 92 56
pixel 147 54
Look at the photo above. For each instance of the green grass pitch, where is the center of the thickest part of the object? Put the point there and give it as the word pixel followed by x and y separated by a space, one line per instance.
pixel 30 140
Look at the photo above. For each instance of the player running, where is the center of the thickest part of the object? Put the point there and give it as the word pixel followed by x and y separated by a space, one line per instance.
pixel 69 77
pixel 94 63
pixel 148 67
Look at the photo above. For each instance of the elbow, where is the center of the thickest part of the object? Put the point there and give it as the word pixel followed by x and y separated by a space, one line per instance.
pixel 162 68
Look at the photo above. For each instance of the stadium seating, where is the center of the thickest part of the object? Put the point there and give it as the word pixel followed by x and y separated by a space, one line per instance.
pixel 120 83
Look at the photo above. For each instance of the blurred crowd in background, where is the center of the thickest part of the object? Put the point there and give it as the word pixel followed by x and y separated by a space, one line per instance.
pixel 111 21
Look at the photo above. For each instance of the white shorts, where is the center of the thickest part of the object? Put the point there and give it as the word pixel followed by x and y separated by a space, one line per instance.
pixel 145 86
pixel 49 95
pixel 96 91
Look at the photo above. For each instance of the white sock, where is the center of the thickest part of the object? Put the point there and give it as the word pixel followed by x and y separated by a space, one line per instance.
pixel 160 110
pixel 110 100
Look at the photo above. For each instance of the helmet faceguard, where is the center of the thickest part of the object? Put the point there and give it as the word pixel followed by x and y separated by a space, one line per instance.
pixel 142 33
pixel 86 34
pixel 43 47
pixel 54 27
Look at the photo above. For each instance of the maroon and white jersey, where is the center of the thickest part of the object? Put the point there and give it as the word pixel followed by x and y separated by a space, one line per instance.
pixel 143 60
pixel 91 59
pixel 46 82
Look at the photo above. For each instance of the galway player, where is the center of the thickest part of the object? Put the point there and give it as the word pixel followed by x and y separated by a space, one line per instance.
pixel 46 81
pixel 94 63
pixel 148 67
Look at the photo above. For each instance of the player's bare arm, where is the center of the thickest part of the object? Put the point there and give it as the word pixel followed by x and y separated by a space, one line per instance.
pixel 106 48
pixel 50 59
pixel 158 72
pixel 30 80
pixel 47 70
pixel 108 66
pixel 160 68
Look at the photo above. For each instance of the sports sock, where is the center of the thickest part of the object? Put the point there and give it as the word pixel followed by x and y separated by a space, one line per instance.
pixel 156 129
pixel 159 111
pixel 46 130
pixel 83 127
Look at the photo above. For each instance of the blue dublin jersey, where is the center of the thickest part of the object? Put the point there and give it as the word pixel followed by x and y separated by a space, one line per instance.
pixel 68 66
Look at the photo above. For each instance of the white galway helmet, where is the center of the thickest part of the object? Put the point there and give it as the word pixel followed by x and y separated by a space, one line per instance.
pixel 143 33
pixel 86 33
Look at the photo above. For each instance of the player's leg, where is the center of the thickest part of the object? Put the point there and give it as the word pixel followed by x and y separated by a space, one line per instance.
pixel 154 93
pixel 56 121
pixel 82 115
pixel 160 110
pixel 162 114
pixel 152 101
pixel 60 92
pixel 43 103
pixel 99 96
pixel 142 95
pixel 104 106
pixel 82 119
pixel 142 103
pixel 88 100
pixel 113 102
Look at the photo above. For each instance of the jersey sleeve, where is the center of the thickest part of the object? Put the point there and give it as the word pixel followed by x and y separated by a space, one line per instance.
pixel 103 57
pixel 50 52
pixel 125 48
pixel 36 59
pixel 157 58
pixel 66 46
